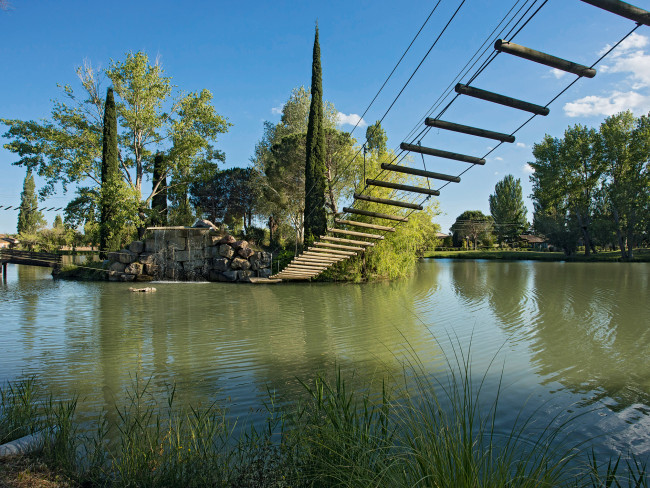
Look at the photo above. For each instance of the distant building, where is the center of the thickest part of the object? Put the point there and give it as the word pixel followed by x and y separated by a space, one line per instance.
pixel 536 242
pixel 7 242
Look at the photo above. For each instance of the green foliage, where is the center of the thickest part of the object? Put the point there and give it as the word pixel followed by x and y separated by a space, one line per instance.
pixel 29 218
pixel 471 225
pixel 508 210
pixel 151 113
pixel 315 220
pixel 109 206
pixel 376 137
pixel 159 200
pixel 58 222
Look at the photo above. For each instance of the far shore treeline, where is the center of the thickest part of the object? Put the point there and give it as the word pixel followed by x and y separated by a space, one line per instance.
pixel 142 153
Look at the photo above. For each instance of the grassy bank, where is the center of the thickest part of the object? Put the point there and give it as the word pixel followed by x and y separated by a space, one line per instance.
pixel 640 255
pixel 428 433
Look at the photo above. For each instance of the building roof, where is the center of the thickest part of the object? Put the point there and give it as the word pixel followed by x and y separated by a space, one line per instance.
pixel 532 239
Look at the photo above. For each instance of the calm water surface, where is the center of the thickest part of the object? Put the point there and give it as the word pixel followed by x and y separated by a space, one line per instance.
pixel 562 338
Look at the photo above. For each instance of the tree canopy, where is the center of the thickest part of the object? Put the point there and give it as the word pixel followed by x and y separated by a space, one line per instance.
pixel 29 218
pixel 472 225
pixel 507 209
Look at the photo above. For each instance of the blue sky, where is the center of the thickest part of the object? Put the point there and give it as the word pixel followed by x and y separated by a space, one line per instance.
pixel 251 54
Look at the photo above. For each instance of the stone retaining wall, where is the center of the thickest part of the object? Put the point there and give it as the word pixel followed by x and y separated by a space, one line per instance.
pixel 188 254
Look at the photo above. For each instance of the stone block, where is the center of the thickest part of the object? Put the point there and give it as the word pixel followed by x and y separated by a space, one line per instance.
pixel 212 252
pixel 114 276
pixel 214 275
pixel 181 256
pixel 244 275
pixel 227 239
pixel 239 263
pixel 175 243
pixel 226 251
pixel 147 258
pixel 240 244
pixel 151 269
pixel 143 277
pixel 153 245
pixel 127 257
pixel 113 256
pixel 117 267
pixel 230 275
pixel 245 252
pixel 133 268
pixel 127 277
pixel 222 264
pixel 264 273
pixel 136 247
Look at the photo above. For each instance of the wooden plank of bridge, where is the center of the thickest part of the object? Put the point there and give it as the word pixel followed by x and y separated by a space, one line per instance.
pixel 337 246
pixel 623 9
pixel 376 215
pixel 398 186
pixel 543 58
pixel 355 233
pixel 364 224
pixel 464 129
pixel 338 239
pixel 313 260
pixel 440 153
pixel 327 257
pixel 501 99
pixel 317 251
pixel 386 201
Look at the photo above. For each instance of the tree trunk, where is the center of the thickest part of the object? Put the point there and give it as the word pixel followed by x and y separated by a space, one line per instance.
pixel 585 233
pixel 619 234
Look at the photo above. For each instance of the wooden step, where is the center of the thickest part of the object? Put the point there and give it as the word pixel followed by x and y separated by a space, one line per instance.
pixel 335 252
pixel 501 99
pixel 397 186
pixel 466 129
pixel 623 9
pixel 377 215
pixel 386 201
pixel 440 153
pixel 354 233
pixel 337 239
pixel 364 224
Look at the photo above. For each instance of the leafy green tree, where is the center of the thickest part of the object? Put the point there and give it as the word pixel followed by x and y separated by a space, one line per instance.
pixel 624 146
pixel 507 209
pixel 29 218
pixel 472 225
pixel 110 178
pixel 159 200
pixel 152 115
pixel 58 222
pixel 376 138
pixel 315 222
pixel 567 174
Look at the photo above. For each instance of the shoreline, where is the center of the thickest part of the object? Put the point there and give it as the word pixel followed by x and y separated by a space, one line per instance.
pixel 641 255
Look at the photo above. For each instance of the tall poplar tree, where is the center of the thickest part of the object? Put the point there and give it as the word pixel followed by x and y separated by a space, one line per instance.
pixel 508 210
pixel 29 218
pixel 315 217
pixel 110 172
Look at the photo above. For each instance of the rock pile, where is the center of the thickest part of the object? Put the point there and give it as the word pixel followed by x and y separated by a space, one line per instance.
pixel 188 254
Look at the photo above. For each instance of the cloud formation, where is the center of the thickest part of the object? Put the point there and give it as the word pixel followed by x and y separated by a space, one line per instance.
pixel 630 59
pixel 521 144
pixel 352 119
pixel 527 168
pixel 276 110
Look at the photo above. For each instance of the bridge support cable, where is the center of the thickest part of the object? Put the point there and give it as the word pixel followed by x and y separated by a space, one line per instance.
pixel 466 129
pixel 543 58
pixel 623 9
pixel 501 99
pixel 377 215
pixel 354 223
pixel 386 201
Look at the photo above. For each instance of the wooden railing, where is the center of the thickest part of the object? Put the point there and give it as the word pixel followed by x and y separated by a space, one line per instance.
pixel 30 258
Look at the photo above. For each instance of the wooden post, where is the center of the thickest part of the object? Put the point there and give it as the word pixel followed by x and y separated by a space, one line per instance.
pixel 501 99
pixel 440 153
pixel 336 246
pixel 623 9
pixel 350 241
pixel 386 201
pixel 397 186
pixel 543 58
pixel 466 129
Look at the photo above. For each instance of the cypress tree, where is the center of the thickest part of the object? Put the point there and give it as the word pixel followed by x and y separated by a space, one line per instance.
pixel 110 170
pixel 315 217
pixel 29 218
pixel 159 201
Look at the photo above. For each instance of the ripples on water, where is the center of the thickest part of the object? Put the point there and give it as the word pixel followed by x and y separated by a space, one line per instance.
pixel 560 337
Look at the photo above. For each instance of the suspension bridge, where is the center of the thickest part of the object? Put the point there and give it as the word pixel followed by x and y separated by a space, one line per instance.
pixel 340 243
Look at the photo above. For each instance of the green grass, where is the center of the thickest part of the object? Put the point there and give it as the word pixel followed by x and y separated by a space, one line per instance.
pixel 640 255
pixel 420 431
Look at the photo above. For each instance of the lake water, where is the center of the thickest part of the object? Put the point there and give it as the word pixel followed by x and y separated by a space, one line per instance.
pixel 561 338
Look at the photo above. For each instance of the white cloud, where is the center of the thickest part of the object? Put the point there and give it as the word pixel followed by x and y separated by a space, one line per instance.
pixel 498 158
pixel 521 144
pixel 558 73
pixel 634 41
pixel 527 168
pixel 617 102
pixel 352 119
pixel 276 110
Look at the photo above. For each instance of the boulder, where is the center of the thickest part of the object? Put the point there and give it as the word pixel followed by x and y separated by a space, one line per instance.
pixel 239 263
pixel 245 252
pixel 114 276
pixel 136 247
pixel 127 277
pixel 227 239
pixel 204 224
pixel 245 275
pixel 214 275
pixel 147 258
pixel 230 275
pixel 240 244
pixel 127 257
pixel 133 268
pixel 143 277
pixel 212 252
pixel 222 264
pixel 264 273
pixel 117 267
pixel 226 251
pixel 151 269
pixel 113 256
